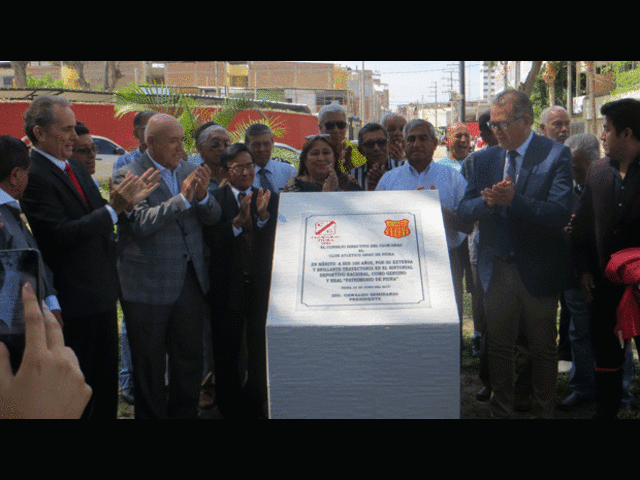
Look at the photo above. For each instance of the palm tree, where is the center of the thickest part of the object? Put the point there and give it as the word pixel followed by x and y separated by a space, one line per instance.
pixel 138 97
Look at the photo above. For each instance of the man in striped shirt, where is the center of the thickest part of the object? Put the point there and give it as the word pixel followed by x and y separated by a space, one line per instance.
pixel 373 143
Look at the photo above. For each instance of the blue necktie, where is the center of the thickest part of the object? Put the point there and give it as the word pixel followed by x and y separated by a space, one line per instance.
pixel 511 165
pixel 264 181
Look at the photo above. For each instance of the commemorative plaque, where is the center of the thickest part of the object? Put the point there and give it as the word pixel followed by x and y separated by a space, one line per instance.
pixel 362 318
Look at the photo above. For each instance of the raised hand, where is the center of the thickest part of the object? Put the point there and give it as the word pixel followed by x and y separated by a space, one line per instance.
pixel 262 202
pixel 203 176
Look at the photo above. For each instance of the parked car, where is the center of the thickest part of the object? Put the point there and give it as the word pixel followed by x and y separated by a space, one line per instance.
pixel 286 153
pixel 105 158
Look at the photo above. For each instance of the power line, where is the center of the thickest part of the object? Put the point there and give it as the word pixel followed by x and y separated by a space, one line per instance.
pixel 430 70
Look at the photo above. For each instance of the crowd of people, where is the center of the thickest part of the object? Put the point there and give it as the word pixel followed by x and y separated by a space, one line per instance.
pixel 186 246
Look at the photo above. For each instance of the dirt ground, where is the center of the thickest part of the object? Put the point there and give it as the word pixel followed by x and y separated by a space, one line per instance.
pixel 470 408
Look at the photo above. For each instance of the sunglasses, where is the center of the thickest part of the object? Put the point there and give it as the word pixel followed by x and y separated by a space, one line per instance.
pixel 331 125
pixel 87 150
pixel 382 142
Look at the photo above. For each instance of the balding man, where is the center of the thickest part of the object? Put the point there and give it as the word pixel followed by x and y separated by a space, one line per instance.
pixel 394 124
pixel 162 269
pixel 459 144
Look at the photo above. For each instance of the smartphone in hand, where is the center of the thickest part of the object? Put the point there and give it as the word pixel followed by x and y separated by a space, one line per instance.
pixel 17 267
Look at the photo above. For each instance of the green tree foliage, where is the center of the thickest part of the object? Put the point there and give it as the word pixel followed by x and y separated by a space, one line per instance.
pixel 626 76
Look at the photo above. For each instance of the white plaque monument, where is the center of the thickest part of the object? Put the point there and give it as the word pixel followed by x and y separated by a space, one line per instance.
pixel 362 318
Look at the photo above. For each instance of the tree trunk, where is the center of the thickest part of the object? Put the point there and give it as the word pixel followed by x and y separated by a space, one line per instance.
pixel 79 67
pixel 529 83
pixel 20 72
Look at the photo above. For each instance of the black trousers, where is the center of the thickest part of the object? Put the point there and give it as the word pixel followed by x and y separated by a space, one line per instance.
pixel 233 332
pixel 609 355
pixel 94 340
pixel 167 336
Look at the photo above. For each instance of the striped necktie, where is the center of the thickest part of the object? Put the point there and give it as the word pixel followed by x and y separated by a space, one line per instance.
pixel 264 181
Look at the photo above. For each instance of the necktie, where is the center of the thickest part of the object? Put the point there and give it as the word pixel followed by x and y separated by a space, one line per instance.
pixel 74 180
pixel 17 213
pixel 264 181
pixel 511 166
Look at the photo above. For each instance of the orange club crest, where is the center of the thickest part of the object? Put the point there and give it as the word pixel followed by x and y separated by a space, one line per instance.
pixel 397 228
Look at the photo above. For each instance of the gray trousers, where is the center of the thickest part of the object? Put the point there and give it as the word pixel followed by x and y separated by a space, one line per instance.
pixel 507 302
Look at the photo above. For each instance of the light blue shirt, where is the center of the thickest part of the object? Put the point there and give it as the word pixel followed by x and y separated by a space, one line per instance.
pixel 455 164
pixel 521 150
pixel 126 159
pixel 170 178
pixel 450 184
pixel 51 301
pixel 278 173
pixel 62 164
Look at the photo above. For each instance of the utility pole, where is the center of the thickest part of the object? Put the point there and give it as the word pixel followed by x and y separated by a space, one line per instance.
pixel 462 93
pixel 435 92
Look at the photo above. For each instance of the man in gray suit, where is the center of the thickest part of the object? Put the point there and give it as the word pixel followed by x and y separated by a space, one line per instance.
pixel 162 268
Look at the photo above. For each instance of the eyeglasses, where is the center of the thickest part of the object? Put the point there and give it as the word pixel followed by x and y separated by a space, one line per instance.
pixel 317 135
pixel 381 142
pixel 241 168
pixel 87 150
pixel 502 126
pixel 215 143
pixel 331 125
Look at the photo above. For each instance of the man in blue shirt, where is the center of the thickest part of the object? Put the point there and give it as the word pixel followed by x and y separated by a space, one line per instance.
pixel 270 174
pixel 420 171
pixel 139 126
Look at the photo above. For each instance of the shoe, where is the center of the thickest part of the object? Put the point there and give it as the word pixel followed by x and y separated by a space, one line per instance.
pixel 572 401
pixel 127 397
pixel 484 394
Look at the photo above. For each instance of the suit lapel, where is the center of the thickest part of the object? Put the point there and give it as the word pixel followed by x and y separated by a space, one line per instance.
pixel 231 204
pixel 58 173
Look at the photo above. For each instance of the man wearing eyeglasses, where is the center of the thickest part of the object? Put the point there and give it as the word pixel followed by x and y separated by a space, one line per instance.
pixel 373 143
pixel 212 141
pixel 522 196
pixel 84 148
pixel 240 271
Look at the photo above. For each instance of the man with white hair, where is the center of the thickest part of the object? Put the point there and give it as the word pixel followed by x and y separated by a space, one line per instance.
pixel 332 121
pixel 555 123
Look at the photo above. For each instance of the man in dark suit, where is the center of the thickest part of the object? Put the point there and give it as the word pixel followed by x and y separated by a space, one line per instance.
pixel 74 228
pixel 242 251
pixel 14 233
pixel 522 196
pixel 607 220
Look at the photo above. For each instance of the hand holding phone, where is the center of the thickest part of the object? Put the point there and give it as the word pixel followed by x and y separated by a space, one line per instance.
pixel 49 382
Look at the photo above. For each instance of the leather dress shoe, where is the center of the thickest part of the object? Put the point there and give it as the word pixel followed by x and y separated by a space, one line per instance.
pixel 484 394
pixel 572 401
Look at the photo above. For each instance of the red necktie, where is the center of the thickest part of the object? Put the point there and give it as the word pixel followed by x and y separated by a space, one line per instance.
pixel 74 180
